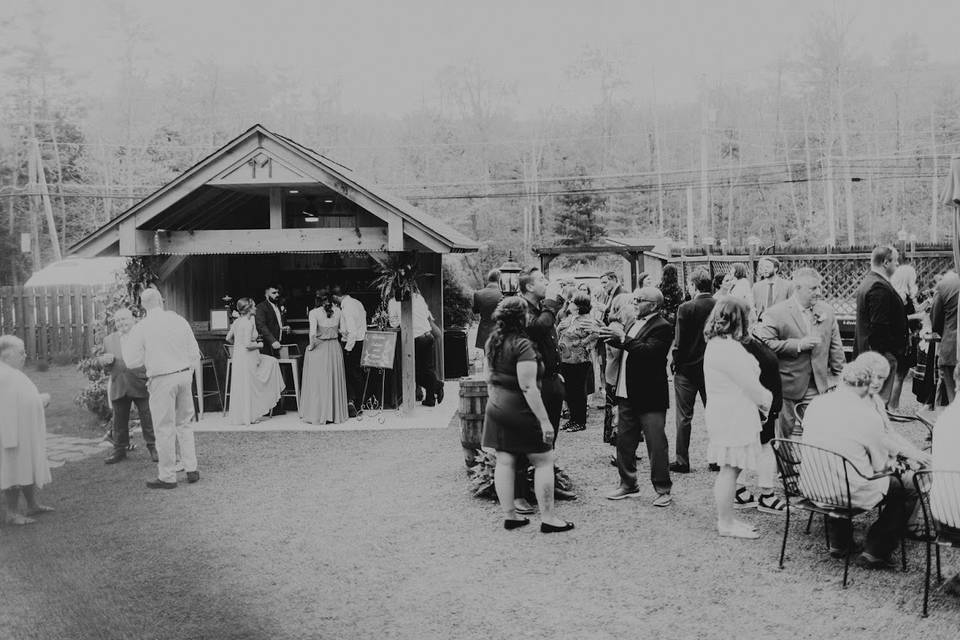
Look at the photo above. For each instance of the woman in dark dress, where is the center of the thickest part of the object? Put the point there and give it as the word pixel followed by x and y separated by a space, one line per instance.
pixel 515 422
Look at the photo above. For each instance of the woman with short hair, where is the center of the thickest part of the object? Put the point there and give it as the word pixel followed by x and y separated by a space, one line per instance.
pixel 737 400
pixel 515 421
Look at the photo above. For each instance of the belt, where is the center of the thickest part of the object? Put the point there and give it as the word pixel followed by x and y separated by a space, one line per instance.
pixel 170 373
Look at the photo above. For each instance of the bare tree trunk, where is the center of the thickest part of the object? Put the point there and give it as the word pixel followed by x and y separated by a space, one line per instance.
pixel 60 200
pixel 690 216
pixel 809 161
pixel 34 205
pixel 845 152
pixel 934 188
pixel 705 214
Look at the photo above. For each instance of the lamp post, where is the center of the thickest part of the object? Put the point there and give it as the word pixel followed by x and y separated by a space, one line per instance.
pixel 510 277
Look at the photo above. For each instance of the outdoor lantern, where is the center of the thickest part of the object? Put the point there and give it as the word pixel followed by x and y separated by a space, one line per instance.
pixel 510 277
pixel 902 235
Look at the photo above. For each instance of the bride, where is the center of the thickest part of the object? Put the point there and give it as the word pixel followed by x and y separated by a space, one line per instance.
pixel 255 382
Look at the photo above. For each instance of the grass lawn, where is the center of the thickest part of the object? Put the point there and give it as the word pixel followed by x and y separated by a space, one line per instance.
pixel 374 535
pixel 64 416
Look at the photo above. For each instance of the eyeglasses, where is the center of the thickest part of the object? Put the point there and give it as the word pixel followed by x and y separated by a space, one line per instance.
pixel 642 300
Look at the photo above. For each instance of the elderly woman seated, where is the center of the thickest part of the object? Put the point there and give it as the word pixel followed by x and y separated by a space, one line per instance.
pixel 846 422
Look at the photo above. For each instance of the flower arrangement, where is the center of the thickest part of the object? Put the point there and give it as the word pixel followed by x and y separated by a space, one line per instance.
pixel 397 277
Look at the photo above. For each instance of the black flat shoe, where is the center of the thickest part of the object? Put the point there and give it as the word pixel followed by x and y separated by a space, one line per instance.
pixel 160 484
pixel 515 524
pixel 552 528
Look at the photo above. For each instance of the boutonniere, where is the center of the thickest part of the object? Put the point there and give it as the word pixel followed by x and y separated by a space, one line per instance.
pixel 817 318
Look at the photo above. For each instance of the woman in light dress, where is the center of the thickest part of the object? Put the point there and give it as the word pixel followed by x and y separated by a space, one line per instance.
pixel 255 380
pixel 324 378
pixel 737 399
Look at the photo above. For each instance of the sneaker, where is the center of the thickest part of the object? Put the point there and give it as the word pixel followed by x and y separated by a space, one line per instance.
pixel 566 426
pixel 576 426
pixel 744 499
pixel 769 503
pixel 624 492
pixel 663 500
pixel 840 552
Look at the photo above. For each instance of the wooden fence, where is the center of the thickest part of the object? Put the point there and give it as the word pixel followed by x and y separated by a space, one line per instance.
pixel 51 321
pixel 842 272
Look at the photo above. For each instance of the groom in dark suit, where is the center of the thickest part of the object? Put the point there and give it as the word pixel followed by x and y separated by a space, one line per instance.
pixel 269 321
pixel 881 316
pixel 485 301
pixel 643 396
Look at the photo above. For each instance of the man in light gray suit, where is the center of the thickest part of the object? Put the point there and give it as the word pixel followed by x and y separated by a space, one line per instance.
pixel 943 318
pixel 804 334
pixel 769 288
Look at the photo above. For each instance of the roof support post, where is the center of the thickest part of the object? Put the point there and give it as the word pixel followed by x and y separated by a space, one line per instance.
pixel 276 208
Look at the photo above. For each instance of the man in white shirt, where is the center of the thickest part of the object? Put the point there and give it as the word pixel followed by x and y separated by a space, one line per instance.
pixel 770 288
pixel 353 331
pixel 164 343
pixel 847 423
pixel 424 360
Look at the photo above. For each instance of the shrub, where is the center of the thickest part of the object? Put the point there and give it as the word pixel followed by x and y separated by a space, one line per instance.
pixel 42 365
pixel 64 358
pixel 457 300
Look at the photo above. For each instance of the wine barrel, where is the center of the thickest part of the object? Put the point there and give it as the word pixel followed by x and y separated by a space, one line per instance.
pixel 473 402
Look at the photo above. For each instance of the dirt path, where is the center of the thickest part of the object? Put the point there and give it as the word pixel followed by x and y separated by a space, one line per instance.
pixel 373 534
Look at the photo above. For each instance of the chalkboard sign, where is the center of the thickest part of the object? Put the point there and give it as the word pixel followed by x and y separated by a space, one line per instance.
pixel 379 348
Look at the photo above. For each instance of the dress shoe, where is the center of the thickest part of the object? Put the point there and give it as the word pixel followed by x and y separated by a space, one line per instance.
pixel 676 467
pixel 193 476
pixel 714 467
pixel 160 484
pixel 553 528
pixel 515 524
pixel 523 508
pixel 840 552
pixel 429 402
pixel 153 453
pixel 440 393
pixel 116 456
pixel 623 492
pixel 563 494
pixel 351 410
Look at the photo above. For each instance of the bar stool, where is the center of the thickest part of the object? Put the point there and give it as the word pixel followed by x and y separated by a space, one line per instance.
pixel 228 352
pixel 200 394
pixel 290 356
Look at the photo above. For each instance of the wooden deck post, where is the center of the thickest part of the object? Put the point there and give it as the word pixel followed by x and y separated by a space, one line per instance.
pixel 408 385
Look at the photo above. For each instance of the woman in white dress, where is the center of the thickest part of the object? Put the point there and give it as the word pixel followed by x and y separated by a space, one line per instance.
pixel 324 378
pixel 732 379
pixel 255 381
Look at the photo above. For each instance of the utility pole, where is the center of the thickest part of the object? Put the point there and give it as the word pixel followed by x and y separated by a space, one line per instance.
pixel 704 159
pixel 934 190
pixel 34 205
pixel 41 181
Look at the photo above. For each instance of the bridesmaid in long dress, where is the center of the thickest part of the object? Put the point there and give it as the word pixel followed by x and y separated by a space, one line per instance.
pixel 255 382
pixel 324 378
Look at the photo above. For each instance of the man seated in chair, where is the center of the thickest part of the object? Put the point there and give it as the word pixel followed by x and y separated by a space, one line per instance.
pixel 945 496
pixel 846 423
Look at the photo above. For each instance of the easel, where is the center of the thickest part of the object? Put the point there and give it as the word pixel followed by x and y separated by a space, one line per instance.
pixel 379 348
pixel 372 406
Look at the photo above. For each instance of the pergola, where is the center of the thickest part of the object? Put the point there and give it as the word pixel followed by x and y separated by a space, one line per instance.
pixel 631 252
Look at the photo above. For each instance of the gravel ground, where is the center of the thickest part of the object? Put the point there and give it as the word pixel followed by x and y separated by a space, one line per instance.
pixel 374 534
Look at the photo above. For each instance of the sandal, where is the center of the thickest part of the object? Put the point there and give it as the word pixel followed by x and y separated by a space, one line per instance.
pixel 39 509
pixel 744 499
pixel 769 503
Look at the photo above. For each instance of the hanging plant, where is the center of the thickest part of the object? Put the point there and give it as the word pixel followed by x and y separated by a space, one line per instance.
pixel 397 277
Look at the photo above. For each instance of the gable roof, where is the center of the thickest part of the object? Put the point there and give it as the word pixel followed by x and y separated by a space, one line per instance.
pixel 147 209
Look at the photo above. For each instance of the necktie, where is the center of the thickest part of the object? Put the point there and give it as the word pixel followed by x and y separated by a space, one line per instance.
pixel 769 295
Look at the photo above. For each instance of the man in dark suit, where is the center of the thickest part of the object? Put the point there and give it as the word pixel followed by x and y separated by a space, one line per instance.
pixel 126 387
pixel 484 302
pixel 269 321
pixel 643 396
pixel 688 348
pixel 881 316
pixel 943 318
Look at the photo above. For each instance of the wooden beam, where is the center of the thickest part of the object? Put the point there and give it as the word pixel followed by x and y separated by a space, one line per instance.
pixel 408 384
pixel 133 241
pixel 276 208
pixel 171 264
pixel 218 241
pixel 395 233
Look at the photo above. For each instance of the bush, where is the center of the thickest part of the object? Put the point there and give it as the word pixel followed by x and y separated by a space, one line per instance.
pixel 42 365
pixel 457 299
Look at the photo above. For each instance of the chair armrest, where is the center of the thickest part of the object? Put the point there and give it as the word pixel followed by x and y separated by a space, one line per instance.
pixel 876 476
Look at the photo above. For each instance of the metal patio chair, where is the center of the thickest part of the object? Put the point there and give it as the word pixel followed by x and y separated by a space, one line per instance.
pixel 824 491
pixel 936 533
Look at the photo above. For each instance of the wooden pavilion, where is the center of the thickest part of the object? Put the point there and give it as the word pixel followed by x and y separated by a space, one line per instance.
pixel 264 209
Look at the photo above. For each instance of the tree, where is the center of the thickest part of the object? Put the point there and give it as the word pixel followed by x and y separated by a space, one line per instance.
pixel 578 218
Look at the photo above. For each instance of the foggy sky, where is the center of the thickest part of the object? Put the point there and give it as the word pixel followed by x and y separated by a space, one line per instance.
pixel 387 55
